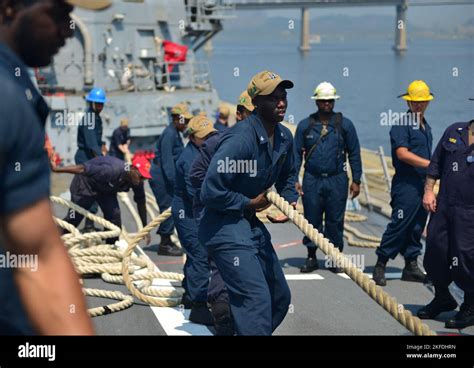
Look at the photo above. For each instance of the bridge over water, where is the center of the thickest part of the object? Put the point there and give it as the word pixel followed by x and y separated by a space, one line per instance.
pixel 401 7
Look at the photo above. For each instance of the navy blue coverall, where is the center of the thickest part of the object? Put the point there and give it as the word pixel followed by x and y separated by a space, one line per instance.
pixel 236 239
pixel 102 179
pixel 325 181
pixel 163 170
pixel 217 292
pixel 119 136
pixel 196 268
pixel 89 137
pixel 408 218
pixel 24 170
pixel 449 252
pixel 220 127
pixel 89 143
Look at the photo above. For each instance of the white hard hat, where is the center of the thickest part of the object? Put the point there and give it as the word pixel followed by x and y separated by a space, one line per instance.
pixel 325 91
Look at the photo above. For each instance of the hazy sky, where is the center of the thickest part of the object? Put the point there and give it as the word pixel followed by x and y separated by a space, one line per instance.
pixel 432 15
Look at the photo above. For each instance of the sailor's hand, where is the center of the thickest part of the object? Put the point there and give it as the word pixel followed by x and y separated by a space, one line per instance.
pixel 280 219
pixel 299 188
pixel 429 201
pixel 259 203
pixel 104 150
pixel 52 163
pixel 355 190
pixel 147 239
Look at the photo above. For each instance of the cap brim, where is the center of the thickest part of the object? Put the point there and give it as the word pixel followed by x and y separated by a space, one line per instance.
pixel 145 174
pixel 185 116
pixel 326 98
pixel 204 134
pixel 247 106
pixel 90 4
pixel 406 97
pixel 286 84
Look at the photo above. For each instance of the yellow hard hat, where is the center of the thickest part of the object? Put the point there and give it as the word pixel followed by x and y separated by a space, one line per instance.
pixel 418 91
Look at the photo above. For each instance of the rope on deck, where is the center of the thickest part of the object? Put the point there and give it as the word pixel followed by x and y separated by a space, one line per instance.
pixel 91 257
pixel 109 262
pixel 389 303
pixel 142 294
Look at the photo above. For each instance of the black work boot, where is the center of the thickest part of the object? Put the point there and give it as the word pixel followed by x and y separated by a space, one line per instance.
pixel 412 272
pixel 442 302
pixel 465 317
pixel 310 265
pixel 168 248
pixel 89 227
pixel 379 273
pixel 223 321
pixel 200 314
pixel 186 302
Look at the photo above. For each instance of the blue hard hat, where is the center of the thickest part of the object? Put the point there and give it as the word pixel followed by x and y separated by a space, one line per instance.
pixel 96 95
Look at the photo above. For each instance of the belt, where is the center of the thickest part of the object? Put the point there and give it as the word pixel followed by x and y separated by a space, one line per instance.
pixel 325 175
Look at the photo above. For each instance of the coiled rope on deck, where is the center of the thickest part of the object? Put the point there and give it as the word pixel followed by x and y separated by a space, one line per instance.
pixel 351 232
pixel 89 256
pixel 141 294
pixel 389 303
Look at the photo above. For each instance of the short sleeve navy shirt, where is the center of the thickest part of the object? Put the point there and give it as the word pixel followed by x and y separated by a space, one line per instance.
pixel 418 141
pixel 119 136
pixel 24 168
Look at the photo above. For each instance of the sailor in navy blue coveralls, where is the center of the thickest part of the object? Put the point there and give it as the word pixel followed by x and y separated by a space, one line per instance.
pixel 168 149
pixel 236 239
pixel 325 147
pixel 411 141
pixel 196 268
pixel 100 180
pixel 120 137
pixel 217 294
pixel 450 237
pixel 89 138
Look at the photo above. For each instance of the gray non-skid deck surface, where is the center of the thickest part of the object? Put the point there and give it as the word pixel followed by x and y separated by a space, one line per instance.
pixel 332 305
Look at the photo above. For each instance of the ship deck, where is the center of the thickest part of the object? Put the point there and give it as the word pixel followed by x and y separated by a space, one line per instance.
pixel 323 303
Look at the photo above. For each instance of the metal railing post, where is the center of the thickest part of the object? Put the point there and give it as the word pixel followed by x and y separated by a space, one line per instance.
pixel 388 179
pixel 366 191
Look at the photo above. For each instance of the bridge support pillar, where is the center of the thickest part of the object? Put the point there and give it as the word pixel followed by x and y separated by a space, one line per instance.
pixel 401 28
pixel 208 47
pixel 304 46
